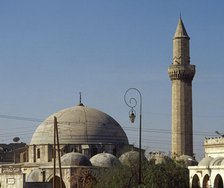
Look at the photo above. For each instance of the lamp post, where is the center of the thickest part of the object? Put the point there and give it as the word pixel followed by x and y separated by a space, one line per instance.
pixel 132 103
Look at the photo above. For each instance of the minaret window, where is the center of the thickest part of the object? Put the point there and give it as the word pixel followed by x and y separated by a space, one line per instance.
pixel 38 153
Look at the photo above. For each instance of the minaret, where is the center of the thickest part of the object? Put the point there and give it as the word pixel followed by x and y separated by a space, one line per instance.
pixel 181 73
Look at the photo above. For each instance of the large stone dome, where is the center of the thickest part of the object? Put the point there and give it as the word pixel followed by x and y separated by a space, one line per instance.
pixel 80 125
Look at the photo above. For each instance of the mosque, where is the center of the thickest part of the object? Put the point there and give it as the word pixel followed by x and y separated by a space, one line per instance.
pixel 87 139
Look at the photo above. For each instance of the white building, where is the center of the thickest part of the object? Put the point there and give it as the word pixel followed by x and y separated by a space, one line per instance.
pixel 210 170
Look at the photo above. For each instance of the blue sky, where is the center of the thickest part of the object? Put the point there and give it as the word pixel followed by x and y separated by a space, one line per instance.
pixel 51 50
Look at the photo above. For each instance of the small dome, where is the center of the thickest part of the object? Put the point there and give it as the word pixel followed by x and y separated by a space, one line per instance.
pixel 216 161
pixel 75 159
pixel 34 176
pixel 205 161
pixel 131 158
pixel 80 125
pixel 188 160
pixel 105 160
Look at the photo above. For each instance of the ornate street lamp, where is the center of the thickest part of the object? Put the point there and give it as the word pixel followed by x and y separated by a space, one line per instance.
pixel 132 115
pixel 132 103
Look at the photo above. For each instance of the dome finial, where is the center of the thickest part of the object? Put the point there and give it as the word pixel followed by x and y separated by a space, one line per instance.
pixel 80 99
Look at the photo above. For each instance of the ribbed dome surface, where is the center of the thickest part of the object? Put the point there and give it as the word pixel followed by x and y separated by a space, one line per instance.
pixel 80 125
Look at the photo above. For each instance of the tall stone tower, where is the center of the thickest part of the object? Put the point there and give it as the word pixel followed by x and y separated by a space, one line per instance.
pixel 181 73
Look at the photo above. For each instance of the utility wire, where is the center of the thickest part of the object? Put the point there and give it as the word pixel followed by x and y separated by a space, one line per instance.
pixel 20 118
pixel 149 130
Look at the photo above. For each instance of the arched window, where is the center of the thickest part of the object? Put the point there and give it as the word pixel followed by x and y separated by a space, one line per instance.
pixel 38 153
pixel 195 181
pixel 206 181
pixel 218 183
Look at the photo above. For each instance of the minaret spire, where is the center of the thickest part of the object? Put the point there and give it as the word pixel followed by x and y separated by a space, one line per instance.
pixel 181 73
pixel 181 31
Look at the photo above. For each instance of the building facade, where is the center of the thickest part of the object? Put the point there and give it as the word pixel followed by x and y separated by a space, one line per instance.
pixel 209 173
pixel 181 73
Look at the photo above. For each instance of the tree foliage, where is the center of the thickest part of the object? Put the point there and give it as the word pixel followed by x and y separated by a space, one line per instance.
pixel 169 173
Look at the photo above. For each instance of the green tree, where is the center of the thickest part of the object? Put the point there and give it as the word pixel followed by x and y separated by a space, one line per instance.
pixel 168 174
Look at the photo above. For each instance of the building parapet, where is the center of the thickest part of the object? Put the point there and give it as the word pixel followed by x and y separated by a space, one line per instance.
pixel 214 140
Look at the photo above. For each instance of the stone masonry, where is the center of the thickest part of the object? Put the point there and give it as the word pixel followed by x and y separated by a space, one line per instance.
pixel 181 73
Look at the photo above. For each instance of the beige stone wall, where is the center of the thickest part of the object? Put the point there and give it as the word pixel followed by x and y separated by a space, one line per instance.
pixel 11 181
pixel 32 153
pixel 181 52
pixel 11 177
pixel 182 118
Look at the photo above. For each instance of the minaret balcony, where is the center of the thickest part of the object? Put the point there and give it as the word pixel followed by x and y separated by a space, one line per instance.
pixel 181 72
